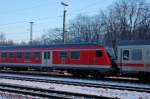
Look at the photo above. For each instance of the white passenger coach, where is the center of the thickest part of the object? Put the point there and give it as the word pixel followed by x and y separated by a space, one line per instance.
pixel 134 57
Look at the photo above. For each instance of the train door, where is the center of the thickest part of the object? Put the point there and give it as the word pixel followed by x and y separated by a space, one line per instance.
pixel 125 57
pixel 47 58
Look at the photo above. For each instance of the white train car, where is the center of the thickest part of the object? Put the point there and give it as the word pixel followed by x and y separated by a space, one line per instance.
pixel 134 58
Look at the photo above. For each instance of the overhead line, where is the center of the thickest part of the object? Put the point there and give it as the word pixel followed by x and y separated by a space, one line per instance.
pixel 37 19
pixel 45 18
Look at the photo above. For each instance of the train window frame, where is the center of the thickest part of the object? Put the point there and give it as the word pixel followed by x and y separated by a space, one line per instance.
pixel 126 56
pixel 137 54
pixel 98 53
pixel 63 55
pixel 19 55
pixel 36 55
pixel 27 55
pixel 48 55
pixel 75 55
pixel 3 55
pixel 11 55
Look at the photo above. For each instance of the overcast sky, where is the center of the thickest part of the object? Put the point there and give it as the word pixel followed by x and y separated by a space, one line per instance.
pixel 15 15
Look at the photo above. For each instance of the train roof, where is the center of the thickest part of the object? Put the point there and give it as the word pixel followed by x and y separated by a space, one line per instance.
pixel 134 42
pixel 48 46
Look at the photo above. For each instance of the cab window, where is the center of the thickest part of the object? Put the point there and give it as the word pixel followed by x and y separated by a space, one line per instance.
pixel 98 53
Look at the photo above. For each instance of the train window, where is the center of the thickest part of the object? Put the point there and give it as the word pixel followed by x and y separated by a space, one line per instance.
pixel 36 54
pixel 136 54
pixel 11 55
pixel 126 55
pixel 27 55
pixel 3 55
pixel 48 55
pixel 75 55
pixel 98 53
pixel 45 55
pixel 63 55
pixel 19 55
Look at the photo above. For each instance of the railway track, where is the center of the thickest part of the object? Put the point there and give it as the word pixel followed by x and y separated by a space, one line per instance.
pixel 98 85
pixel 80 82
pixel 46 93
pixel 49 74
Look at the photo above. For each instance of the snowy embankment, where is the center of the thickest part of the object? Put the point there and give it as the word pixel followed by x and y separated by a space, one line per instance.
pixel 123 94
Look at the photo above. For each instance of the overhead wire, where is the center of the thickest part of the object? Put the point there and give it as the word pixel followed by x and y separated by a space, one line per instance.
pixel 45 18
pixel 49 17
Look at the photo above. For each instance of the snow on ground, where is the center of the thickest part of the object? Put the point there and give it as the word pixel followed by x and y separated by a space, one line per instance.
pixel 7 95
pixel 123 94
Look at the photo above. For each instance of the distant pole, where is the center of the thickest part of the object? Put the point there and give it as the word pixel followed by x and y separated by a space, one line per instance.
pixel 64 23
pixel 31 32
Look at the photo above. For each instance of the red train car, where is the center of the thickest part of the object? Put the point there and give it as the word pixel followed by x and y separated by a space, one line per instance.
pixel 71 57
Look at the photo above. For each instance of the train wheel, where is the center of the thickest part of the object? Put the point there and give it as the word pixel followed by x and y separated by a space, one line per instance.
pixel 75 73
pixel 98 75
pixel 115 68
pixel 1 68
pixel 144 76
pixel 79 74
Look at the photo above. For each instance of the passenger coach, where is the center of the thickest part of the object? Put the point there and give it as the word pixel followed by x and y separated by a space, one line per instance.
pixel 134 58
pixel 71 57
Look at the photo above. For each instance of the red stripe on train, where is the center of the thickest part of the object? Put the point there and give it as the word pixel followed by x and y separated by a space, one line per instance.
pixel 132 65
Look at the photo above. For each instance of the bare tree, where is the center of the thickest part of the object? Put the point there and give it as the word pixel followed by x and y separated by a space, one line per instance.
pixel 2 38
pixel 23 43
pixel 10 42
pixel 126 20
pixel 52 36
pixel 4 41
pixel 86 29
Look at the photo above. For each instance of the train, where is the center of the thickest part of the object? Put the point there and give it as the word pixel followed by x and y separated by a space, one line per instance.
pixel 73 58
pixel 133 58
pixel 80 59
